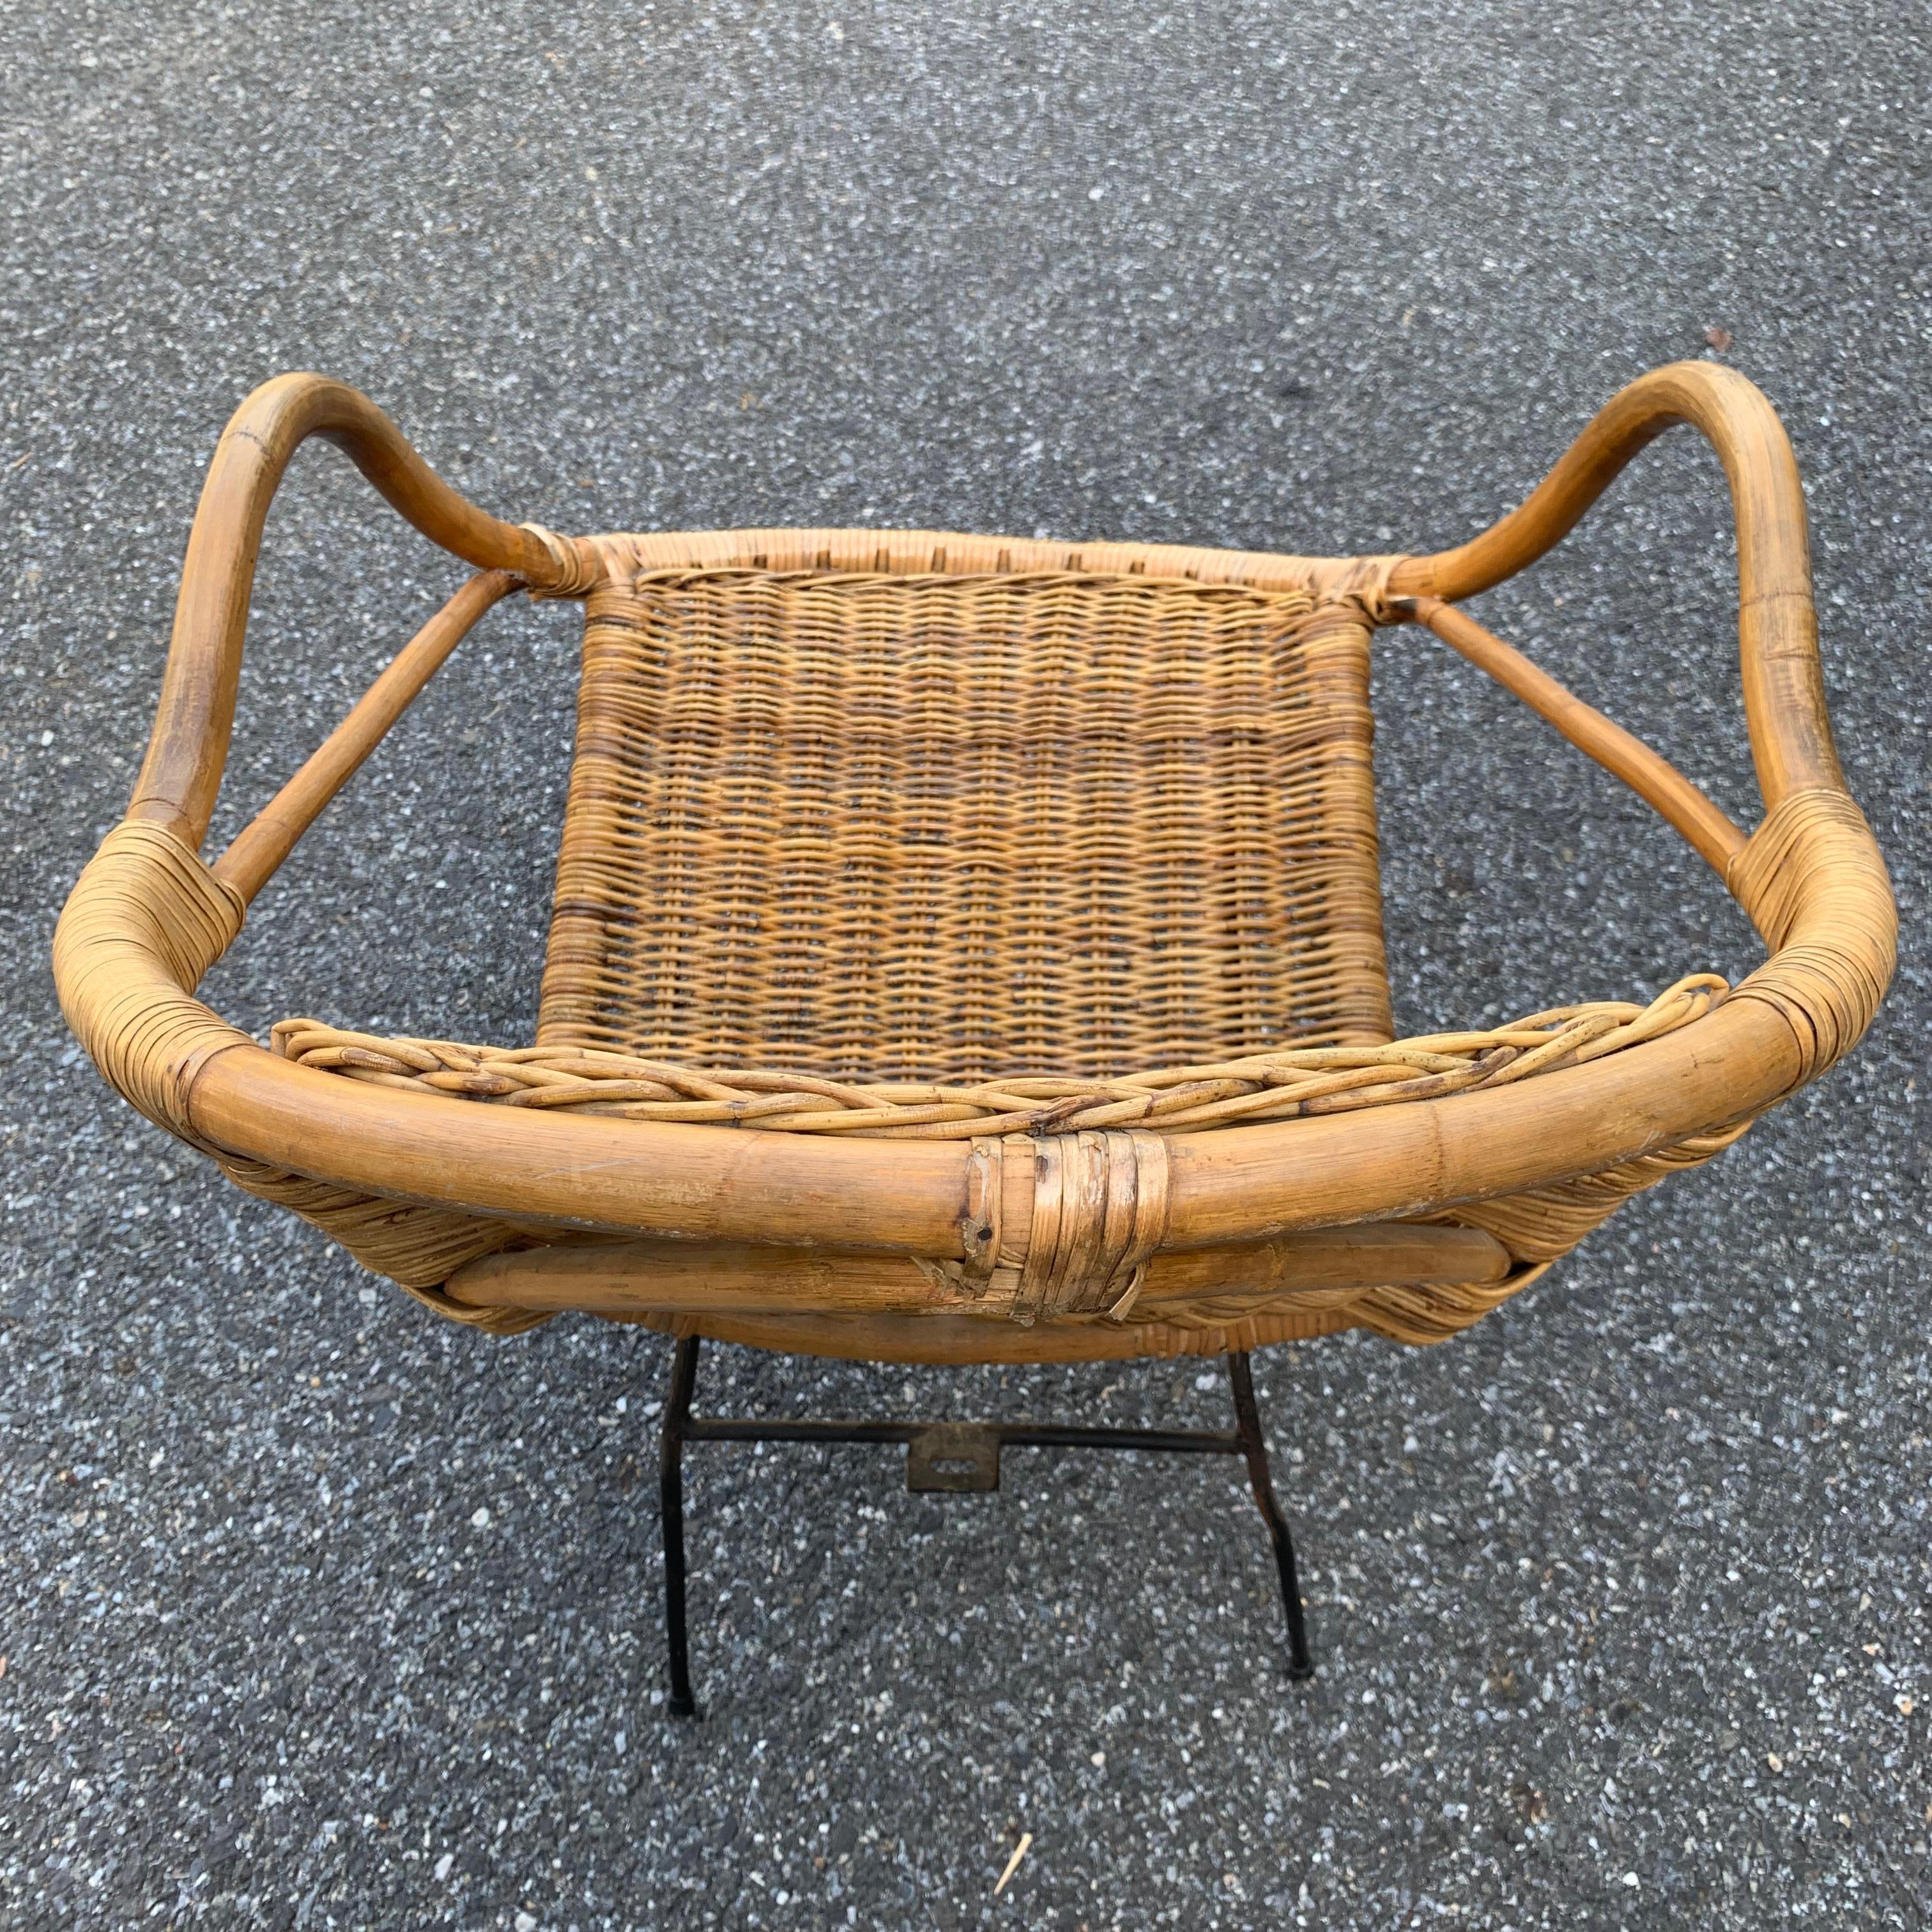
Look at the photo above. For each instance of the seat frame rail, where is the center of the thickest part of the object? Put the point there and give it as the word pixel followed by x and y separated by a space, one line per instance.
pixel 955 1458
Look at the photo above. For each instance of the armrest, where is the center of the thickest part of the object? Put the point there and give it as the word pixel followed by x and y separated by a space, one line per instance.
pixel 181 775
pixel 1778 626
pixel 1811 876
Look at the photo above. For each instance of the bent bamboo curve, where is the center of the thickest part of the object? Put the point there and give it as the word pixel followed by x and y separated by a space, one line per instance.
pixel 1777 623
pixel 181 776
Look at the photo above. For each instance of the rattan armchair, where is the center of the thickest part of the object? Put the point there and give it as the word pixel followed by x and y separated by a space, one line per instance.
pixel 967 949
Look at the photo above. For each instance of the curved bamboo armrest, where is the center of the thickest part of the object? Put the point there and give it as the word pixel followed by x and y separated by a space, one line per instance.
pixel 1778 624
pixel 181 776
pixel 1810 877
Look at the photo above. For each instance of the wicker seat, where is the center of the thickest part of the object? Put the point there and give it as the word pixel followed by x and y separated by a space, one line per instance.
pixel 969 948
pixel 878 827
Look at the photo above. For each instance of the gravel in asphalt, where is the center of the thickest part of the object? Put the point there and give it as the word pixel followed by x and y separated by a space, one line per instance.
pixel 316 1612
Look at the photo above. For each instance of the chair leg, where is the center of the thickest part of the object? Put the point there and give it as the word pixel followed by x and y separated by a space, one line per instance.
pixel 1254 1447
pixel 671 1498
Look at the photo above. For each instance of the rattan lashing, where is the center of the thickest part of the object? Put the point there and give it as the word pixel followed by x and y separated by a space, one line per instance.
pixel 970 948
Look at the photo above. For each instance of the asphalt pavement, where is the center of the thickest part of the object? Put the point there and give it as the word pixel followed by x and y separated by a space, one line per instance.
pixel 315 1612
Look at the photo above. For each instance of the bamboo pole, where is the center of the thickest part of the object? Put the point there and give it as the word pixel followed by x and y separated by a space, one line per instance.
pixel 271 835
pixel 672 1278
pixel 1710 832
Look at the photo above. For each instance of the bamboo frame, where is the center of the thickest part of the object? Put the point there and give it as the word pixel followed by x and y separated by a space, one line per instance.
pixel 697 1278
pixel 1811 876
pixel 1708 830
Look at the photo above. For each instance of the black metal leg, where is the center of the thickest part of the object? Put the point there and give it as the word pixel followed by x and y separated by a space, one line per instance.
pixel 1254 1447
pixel 670 1498
pixel 949 1456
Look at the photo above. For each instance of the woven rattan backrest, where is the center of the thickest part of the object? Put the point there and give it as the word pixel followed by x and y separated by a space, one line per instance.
pixel 940 827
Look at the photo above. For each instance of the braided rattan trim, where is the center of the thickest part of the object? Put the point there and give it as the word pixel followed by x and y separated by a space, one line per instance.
pixel 928 827
pixel 1059 1227
pixel 1170 1100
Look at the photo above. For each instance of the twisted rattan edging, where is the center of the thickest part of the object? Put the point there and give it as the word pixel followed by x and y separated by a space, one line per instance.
pixel 1282 1085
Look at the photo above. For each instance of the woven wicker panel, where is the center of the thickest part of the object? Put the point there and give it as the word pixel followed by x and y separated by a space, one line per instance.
pixel 953 827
